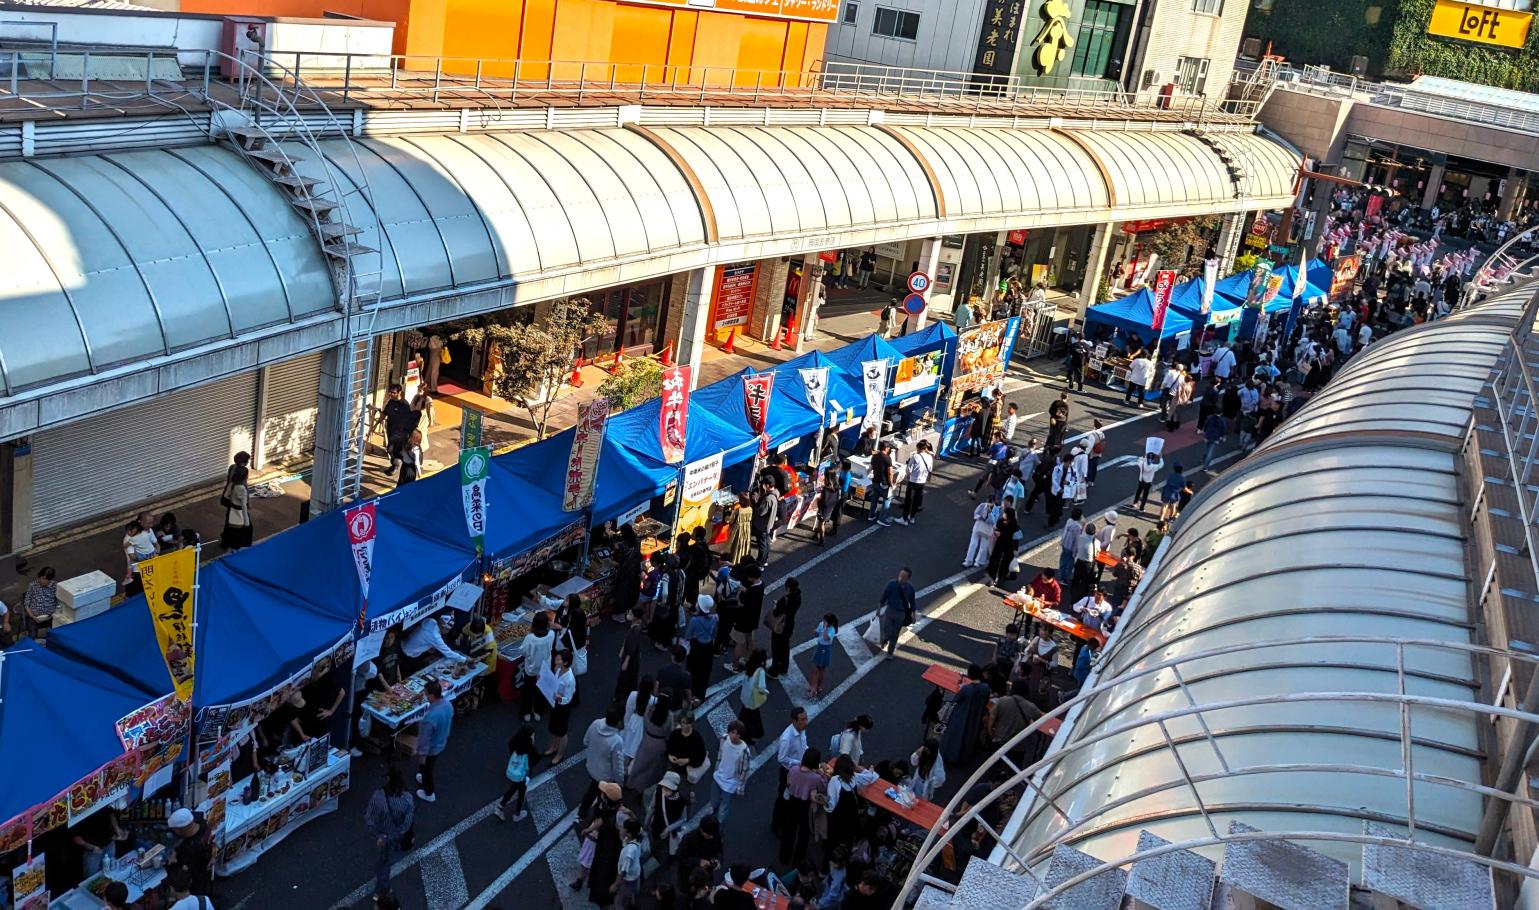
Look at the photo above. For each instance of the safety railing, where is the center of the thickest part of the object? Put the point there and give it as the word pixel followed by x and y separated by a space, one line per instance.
pixel 1323 80
pixel 382 80
pixel 1026 859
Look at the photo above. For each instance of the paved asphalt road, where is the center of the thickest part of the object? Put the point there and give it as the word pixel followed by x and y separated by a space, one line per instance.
pixel 465 857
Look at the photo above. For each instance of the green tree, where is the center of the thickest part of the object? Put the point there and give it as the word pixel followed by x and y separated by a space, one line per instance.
pixel 638 380
pixel 538 358
pixel 1182 244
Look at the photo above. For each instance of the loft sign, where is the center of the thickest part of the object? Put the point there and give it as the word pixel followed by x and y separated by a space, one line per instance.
pixel 1480 24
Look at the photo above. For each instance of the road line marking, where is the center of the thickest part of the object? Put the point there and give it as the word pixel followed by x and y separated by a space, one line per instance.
pixel 794 681
pixel 546 806
pixel 855 646
pixel 538 850
pixel 562 858
pixel 444 878
pixel 718 717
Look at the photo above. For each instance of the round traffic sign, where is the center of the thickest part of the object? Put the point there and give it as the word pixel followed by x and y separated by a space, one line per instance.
pixel 913 304
pixel 919 282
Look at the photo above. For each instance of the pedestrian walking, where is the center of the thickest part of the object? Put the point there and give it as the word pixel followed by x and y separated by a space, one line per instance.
pixel 1175 376
pixel 790 746
pixel 1213 430
pixel 238 531
pixel 411 458
pixel 985 515
pixel 1058 481
pixel 745 619
pixel 432 738
pixel 651 760
pixel 1095 446
pixel 1140 374
pixel 803 783
pixel 1068 541
pixel 536 650
pixel 822 653
pixel 1007 533
pixel 896 610
pixel 1181 396
pixel 389 817
pixel 753 692
pixel 630 653
pixel 700 639
pixel 637 704
pixel 766 513
pixel 781 623
pixel 561 705
pixel 1148 468
pixel 734 759
pixel 1074 363
pixel 1170 498
pixel 399 420
pixel 521 757
pixel 604 745
pixel 918 469
pixel 883 476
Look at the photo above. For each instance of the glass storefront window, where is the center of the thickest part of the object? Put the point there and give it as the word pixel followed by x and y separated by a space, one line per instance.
pixel 1096 52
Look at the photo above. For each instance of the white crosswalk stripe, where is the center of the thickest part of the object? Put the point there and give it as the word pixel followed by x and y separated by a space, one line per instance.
pixel 718 717
pixel 795 683
pixel 546 807
pixel 855 646
pixel 443 878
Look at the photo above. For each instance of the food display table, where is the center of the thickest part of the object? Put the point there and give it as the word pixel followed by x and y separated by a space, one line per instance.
pixel 127 869
pixel 924 813
pixel 1022 602
pixel 291 799
pixel 952 681
pixel 404 704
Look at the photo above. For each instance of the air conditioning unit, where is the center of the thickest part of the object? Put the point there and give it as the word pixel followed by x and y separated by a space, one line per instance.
pixel 1150 80
pixel 1250 47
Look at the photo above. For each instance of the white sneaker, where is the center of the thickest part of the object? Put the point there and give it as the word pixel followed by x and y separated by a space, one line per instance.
pixel 426 797
pixel 355 752
pixel 520 816
pixel 419 777
pixel 501 816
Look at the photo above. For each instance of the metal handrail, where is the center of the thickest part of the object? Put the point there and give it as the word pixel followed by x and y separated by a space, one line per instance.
pixel 1322 80
pixel 383 78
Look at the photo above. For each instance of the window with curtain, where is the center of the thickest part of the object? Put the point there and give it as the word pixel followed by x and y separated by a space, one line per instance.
pixel 1192 74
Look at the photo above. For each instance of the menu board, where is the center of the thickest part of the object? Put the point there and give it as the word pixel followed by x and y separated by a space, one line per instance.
pixel 735 287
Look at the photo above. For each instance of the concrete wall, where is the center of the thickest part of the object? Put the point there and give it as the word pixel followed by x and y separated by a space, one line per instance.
pixel 1313 123
pixel 948 35
pixel 1176 30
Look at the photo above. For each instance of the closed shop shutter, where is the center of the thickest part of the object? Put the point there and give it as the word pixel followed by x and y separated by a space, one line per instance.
pixel 113 462
pixel 288 413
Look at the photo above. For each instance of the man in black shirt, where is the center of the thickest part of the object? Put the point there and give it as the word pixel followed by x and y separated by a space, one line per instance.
pixel 750 606
pixel 400 420
pixel 882 478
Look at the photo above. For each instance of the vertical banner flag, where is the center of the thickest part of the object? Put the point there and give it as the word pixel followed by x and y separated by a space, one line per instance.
pixel 360 535
pixel 1257 285
pixel 1164 284
pixel 1297 308
pixel 815 384
pixel 874 374
pixel 582 463
pixel 701 478
pixel 756 401
pixel 673 415
pixel 1209 281
pixel 168 590
pixel 470 428
pixel 475 466
pixel 1273 287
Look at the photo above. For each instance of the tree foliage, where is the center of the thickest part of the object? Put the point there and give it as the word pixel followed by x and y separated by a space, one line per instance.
pixel 637 380
pixel 1181 245
pixel 537 358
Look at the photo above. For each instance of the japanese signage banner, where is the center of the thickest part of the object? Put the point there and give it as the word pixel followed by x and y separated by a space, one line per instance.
pixel 982 354
pixel 361 526
pixel 701 478
pixel 1273 286
pixel 1257 287
pixel 756 400
pixel 513 567
pixel 874 377
pixel 917 374
pixel 673 415
pixel 475 467
pixel 998 37
pixel 470 428
pixel 160 721
pixel 582 463
pixel 736 285
pixel 1209 282
pixel 1164 285
pixel 815 385
pixel 1344 276
pixel 168 590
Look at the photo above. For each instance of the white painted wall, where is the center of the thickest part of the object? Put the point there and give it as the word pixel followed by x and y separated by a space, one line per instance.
pixel 948 35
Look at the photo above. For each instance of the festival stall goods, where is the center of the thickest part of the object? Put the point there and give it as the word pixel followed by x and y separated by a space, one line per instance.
pixel 299 785
pixel 1134 314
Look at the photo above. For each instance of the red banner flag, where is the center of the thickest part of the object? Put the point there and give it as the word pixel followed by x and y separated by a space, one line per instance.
pixel 756 399
pixel 1164 284
pixel 673 416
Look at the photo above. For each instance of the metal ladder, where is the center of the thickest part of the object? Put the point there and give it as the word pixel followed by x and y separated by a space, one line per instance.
pixel 266 116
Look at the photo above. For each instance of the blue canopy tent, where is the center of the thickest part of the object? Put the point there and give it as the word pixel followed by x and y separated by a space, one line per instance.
pixel 1186 299
pixel 58 723
pixel 1316 287
pixel 1135 314
pixel 849 358
pixel 789 415
pixel 936 336
pixel 120 642
pixel 844 391
pixel 252 636
pixel 523 496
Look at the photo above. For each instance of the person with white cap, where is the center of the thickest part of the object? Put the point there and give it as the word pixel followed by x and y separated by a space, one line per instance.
pixel 700 639
pixel 193 849
pixel 1148 468
pixel 1105 534
pixel 1081 477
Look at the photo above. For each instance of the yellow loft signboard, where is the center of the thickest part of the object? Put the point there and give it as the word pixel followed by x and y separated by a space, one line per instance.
pixel 1485 24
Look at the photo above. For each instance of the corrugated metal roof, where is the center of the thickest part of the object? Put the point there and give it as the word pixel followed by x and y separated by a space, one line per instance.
pixel 1349 520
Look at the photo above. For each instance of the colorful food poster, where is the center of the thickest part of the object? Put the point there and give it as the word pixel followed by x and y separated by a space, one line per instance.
pixel 29 882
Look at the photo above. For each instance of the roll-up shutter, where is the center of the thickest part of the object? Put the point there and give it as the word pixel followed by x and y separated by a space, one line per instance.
pixel 289 399
pixel 115 461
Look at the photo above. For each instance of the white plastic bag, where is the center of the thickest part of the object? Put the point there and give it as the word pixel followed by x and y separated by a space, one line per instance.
pixel 874 631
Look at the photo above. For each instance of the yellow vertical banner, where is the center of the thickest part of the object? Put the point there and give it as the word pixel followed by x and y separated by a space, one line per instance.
pixel 168 589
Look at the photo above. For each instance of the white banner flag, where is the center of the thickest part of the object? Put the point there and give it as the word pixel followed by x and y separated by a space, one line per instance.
pixel 874 375
pixel 815 382
pixel 1209 279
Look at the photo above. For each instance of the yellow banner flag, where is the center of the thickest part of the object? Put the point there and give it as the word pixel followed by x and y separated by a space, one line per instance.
pixel 168 582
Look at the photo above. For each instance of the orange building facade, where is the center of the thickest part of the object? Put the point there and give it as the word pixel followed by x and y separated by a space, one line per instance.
pixel 661 40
